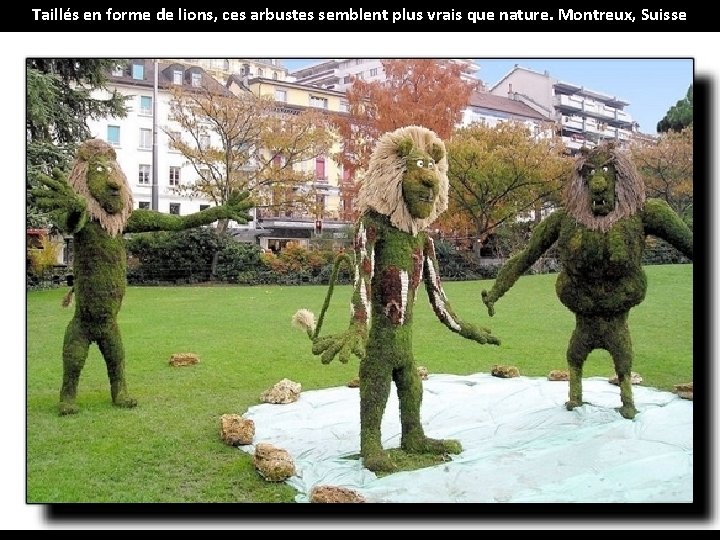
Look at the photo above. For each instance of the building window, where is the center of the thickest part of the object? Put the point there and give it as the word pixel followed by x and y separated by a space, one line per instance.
pixel 373 72
pixel 175 208
pixel 261 73
pixel 138 72
pixel 360 75
pixel 195 79
pixel 275 76
pixel 347 79
pixel 204 141
pixel 204 174
pixel 174 178
pixel 281 95
pixel 226 65
pixel 144 175
pixel 177 76
pixel 204 207
pixel 320 170
pixel 113 135
pixel 117 71
pixel 144 205
pixel 319 102
pixel 146 105
pixel 145 139
pixel 344 106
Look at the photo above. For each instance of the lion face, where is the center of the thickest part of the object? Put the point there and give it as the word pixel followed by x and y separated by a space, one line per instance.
pixel 104 185
pixel 406 178
pixel 599 175
pixel 420 186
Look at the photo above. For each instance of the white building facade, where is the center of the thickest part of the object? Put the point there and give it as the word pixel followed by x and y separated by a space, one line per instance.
pixel 339 74
pixel 585 117
pixel 133 137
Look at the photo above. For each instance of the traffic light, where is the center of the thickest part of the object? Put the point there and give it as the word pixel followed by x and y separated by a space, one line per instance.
pixel 318 226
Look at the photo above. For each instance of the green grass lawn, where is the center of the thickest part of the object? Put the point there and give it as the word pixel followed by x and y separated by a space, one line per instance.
pixel 168 448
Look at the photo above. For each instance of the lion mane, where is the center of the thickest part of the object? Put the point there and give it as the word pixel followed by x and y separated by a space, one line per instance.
pixel 381 188
pixel 629 192
pixel 112 223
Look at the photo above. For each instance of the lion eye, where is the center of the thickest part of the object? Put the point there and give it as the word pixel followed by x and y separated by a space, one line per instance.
pixel 592 171
pixel 420 163
pixel 99 168
pixel 605 169
pixel 431 164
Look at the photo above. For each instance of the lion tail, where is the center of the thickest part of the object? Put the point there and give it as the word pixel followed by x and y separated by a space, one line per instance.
pixel 304 318
pixel 67 300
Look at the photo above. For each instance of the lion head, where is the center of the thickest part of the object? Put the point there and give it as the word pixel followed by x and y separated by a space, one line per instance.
pixel 96 176
pixel 406 179
pixel 606 187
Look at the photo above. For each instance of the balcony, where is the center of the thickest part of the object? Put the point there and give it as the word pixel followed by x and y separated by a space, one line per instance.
pixel 575 143
pixel 572 122
pixel 571 102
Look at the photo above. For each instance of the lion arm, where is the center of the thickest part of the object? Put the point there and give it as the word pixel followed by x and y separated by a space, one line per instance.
pixel 544 236
pixel 660 220
pixel 440 304
pixel 149 220
pixel 364 270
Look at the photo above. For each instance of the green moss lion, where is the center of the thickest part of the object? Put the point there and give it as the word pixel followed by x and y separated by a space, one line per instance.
pixel 404 190
pixel 600 237
pixel 95 205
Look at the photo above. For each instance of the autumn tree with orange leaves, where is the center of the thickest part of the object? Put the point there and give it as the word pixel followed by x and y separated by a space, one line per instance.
pixel 425 92
pixel 667 169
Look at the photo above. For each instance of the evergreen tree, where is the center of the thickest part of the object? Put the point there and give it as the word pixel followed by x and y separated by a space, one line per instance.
pixel 679 116
pixel 61 96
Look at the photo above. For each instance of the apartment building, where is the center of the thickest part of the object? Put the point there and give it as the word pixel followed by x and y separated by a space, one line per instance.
pixel 280 227
pixel 338 74
pixel 491 110
pixel 584 117
pixel 133 137
pixel 223 68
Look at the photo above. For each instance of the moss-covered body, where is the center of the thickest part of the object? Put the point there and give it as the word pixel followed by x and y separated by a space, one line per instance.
pixel 602 276
pixel 96 206
pixel 390 264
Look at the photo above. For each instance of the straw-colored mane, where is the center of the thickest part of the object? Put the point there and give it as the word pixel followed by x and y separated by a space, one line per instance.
pixel 381 188
pixel 112 223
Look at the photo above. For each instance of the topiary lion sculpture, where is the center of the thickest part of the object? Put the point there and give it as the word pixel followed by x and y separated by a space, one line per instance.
pixel 95 204
pixel 404 190
pixel 600 235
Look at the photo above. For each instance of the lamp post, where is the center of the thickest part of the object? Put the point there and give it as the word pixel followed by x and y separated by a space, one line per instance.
pixel 154 204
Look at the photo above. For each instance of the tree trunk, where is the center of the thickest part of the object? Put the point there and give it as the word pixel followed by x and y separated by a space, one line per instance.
pixel 222 226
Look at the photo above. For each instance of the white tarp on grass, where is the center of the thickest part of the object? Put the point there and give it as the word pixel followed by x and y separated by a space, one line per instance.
pixel 519 442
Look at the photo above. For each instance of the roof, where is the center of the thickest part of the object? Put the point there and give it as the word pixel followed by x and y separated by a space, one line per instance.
pixel 165 76
pixel 503 104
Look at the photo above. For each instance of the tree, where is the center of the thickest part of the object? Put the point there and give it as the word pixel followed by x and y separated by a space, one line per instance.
pixel 679 116
pixel 499 172
pixel 61 97
pixel 426 92
pixel 247 143
pixel 667 169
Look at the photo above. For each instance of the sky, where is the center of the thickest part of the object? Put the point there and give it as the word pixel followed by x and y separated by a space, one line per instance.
pixel 651 86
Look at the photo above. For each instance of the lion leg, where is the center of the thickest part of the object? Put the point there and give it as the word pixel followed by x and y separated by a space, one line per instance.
pixel 578 350
pixel 111 347
pixel 75 351
pixel 410 389
pixel 374 392
pixel 619 346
